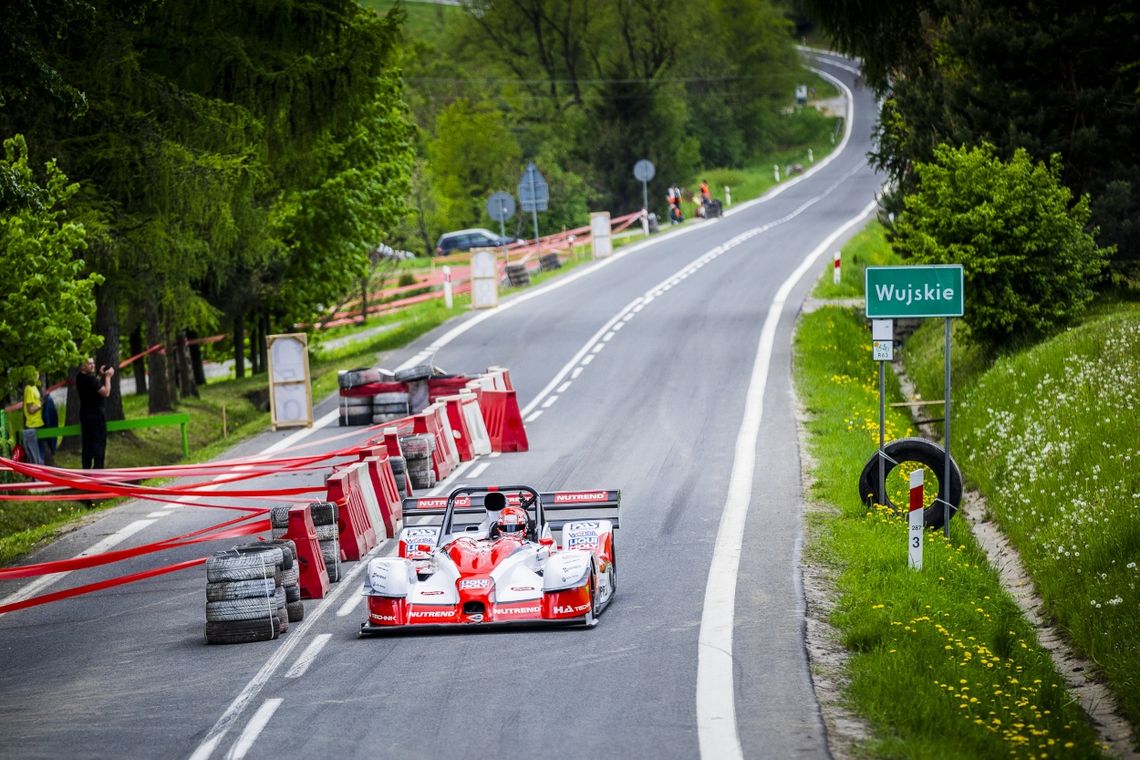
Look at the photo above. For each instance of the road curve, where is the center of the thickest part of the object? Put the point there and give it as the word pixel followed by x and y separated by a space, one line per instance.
pixel 635 374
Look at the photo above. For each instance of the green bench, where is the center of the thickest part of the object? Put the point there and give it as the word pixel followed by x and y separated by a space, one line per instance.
pixel 160 420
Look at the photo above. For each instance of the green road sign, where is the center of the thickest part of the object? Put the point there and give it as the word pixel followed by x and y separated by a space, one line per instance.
pixel 918 291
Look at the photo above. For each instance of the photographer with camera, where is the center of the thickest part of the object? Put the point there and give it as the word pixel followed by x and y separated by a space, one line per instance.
pixel 93 389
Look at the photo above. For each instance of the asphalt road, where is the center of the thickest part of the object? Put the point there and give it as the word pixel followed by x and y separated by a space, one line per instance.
pixel 653 407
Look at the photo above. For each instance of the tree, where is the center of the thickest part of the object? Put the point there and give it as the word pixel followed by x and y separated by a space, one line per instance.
pixel 472 155
pixel 1028 261
pixel 48 306
pixel 1049 77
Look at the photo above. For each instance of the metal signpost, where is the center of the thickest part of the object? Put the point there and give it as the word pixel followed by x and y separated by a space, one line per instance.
pixel 910 292
pixel 644 170
pixel 534 194
pixel 501 207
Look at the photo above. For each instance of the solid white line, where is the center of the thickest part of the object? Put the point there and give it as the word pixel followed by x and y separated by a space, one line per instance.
pixel 716 695
pixel 478 469
pixel 39 584
pixel 348 607
pixel 562 388
pixel 256 725
pixel 306 659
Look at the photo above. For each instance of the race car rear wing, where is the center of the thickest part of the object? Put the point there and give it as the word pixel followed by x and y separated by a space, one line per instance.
pixel 559 507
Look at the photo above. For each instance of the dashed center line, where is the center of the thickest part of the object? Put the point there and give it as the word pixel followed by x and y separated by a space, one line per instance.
pixel 256 725
pixel 315 646
pixel 562 388
pixel 549 402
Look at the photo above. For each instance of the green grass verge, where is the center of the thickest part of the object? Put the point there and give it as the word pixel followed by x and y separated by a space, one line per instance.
pixel 1049 437
pixel 868 248
pixel 943 665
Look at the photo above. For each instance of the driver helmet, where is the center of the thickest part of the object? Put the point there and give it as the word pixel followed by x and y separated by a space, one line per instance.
pixel 512 522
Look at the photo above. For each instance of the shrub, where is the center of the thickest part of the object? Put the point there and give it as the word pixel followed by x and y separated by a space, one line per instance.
pixel 406 278
pixel 1028 260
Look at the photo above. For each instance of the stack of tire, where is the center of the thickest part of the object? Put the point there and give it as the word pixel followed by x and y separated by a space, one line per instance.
pixel 245 595
pixel 549 262
pixel 323 515
pixel 328 536
pixel 417 379
pixel 517 274
pixel 418 450
pixel 389 406
pixel 400 471
pixel 357 410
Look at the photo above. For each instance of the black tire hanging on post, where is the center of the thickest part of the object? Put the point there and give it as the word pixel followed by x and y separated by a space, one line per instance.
pixel 923 452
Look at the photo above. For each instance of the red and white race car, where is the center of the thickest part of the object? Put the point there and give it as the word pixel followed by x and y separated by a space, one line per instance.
pixel 497 555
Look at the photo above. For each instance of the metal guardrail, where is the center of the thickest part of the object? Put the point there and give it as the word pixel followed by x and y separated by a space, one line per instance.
pixel 161 420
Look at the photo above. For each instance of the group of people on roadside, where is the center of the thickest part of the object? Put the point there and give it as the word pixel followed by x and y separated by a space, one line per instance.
pixel 40 412
pixel 701 201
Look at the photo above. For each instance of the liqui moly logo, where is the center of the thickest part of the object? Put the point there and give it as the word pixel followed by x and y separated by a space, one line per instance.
pixel 579 496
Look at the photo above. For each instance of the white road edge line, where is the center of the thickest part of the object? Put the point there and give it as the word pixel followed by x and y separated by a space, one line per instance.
pixel 256 725
pixel 716 694
pixel 306 659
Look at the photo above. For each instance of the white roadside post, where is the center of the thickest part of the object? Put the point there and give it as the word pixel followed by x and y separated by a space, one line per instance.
pixel 915 520
pixel 447 287
pixel 882 351
pixel 835 270
pixel 727 195
pixel 776 171
pixel 811 157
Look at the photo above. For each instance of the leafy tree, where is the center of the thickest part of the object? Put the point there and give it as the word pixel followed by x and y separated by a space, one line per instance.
pixel 473 154
pixel 1049 77
pixel 48 306
pixel 1028 262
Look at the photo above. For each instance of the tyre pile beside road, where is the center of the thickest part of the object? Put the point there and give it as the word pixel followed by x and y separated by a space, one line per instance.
pixel 252 592
pixel 324 516
pixel 418 451
pixel 374 395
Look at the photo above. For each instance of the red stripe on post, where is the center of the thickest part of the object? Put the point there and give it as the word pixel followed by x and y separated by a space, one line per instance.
pixel 916 489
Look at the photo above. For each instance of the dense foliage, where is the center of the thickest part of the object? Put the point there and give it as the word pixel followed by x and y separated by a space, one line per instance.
pixel 236 160
pixel 1028 262
pixel 585 89
pixel 48 305
pixel 1050 77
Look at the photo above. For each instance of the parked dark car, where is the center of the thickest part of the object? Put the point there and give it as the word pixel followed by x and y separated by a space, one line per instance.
pixel 465 240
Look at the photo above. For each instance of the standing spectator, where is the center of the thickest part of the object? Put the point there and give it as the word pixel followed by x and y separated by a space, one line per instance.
pixel 51 420
pixel 93 390
pixel 33 421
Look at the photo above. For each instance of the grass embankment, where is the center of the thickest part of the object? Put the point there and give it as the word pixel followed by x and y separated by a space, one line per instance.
pixel 943 664
pixel 1049 436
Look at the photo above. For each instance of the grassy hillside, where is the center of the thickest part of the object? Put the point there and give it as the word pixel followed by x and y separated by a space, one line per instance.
pixel 1050 438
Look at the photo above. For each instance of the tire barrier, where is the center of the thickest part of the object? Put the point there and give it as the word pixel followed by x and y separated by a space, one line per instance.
pixel 919 451
pixel 245 599
pixel 549 262
pixel 517 275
